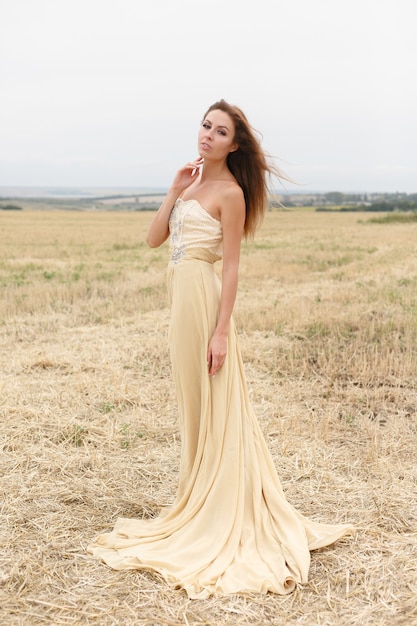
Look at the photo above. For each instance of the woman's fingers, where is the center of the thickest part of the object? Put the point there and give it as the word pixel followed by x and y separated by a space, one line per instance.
pixel 195 165
pixel 186 175
pixel 215 363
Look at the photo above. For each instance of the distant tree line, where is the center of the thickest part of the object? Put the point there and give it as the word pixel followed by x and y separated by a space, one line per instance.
pixel 386 205
pixel 368 202
pixel 10 207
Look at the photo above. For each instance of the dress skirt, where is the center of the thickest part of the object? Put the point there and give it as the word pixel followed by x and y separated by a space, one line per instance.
pixel 230 529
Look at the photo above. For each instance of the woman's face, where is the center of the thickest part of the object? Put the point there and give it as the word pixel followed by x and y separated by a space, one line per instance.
pixel 216 136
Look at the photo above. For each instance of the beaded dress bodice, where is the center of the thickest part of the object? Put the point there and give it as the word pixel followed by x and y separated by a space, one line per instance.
pixel 191 227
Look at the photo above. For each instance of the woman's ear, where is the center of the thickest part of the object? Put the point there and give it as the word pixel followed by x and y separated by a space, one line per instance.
pixel 234 148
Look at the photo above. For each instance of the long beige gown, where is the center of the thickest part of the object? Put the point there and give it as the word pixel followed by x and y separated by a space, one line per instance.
pixel 230 529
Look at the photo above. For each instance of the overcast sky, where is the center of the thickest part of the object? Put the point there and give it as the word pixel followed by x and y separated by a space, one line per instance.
pixel 111 92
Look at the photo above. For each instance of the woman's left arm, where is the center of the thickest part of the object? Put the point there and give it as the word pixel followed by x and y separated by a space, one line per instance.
pixel 233 222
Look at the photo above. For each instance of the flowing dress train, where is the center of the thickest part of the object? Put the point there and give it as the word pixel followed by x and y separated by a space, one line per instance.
pixel 230 528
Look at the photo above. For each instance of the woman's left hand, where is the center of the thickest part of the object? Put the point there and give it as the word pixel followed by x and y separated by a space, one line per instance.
pixel 216 353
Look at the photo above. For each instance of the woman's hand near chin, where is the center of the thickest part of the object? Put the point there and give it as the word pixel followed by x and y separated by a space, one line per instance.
pixel 187 174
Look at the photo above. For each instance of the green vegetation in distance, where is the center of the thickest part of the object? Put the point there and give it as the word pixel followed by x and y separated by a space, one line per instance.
pixel 10 207
pixel 395 216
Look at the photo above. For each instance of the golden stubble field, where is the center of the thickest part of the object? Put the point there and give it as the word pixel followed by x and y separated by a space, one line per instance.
pixel 327 316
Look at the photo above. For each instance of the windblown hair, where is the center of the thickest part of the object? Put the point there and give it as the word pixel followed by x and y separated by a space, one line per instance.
pixel 249 165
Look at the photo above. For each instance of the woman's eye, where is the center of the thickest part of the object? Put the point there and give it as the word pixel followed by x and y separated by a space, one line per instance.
pixel 205 125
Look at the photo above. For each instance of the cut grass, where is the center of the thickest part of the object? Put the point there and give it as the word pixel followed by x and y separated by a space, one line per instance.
pixel 89 425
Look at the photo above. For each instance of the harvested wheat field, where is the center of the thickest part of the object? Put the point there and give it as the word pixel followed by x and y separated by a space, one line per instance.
pixel 327 316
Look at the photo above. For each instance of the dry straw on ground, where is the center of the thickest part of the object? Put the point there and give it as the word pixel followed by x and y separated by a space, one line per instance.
pixel 327 315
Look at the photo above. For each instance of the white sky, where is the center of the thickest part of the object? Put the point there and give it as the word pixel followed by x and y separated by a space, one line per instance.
pixel 111 92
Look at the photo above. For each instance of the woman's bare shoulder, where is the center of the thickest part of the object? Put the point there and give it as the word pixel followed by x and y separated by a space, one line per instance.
pixel 232 192
pixel 232 205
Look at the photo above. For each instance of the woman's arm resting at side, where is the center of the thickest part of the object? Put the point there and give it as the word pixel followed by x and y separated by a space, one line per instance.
pixel 233 221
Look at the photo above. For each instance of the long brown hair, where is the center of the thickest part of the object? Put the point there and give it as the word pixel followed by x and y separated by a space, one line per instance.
pixel 249 165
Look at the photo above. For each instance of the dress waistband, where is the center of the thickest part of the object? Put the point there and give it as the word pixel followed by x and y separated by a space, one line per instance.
pixel 196 254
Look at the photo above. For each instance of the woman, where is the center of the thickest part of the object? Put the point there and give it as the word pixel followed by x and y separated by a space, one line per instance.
pixel 230 528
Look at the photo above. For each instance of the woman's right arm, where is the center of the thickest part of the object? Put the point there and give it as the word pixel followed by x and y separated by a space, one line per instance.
pixel 159 228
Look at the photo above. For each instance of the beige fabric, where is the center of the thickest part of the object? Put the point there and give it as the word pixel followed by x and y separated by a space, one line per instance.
pixel 230 528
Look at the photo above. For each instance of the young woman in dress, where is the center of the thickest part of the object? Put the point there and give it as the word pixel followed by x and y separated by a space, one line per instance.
pixel 230 528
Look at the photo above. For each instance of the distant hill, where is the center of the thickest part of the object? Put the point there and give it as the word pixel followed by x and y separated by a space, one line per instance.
pixel 8 192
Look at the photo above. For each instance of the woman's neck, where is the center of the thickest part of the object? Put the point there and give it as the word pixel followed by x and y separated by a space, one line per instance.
pixel 214 171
